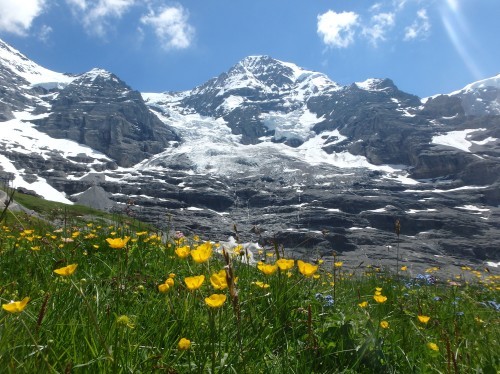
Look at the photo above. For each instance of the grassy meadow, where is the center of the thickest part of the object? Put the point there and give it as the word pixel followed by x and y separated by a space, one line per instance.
pixel 89 296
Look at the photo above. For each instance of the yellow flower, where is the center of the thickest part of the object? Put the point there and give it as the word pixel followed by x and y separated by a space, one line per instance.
pixel 424 319
pixel 364 304
pixel 404 268
pixel 16 306
pixel 35 248
pixel 118 243
pixel 216 300
pixel 306 268
pixel 338 264
pixel 378 293
pixel 218 280
pixel 267 269
pixel 182 252
pixel 170 282
pixel 433 346
pixel 261 284
pixel 184 344
pixel 379 289
pixel 384 324
pixel 171 275
pixel 285 264
pixel 380 299
pixel 164 287
pixel 195 282
pixel 202 253
pixel 67 270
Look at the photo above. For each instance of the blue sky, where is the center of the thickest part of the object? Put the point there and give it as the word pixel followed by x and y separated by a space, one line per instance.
pixel 424 46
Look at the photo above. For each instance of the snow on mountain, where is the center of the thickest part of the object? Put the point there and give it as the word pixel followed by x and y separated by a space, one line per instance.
pixel 35 74
pixel 370 84
pixel 456 139
pixel 21 136
pixel 481 84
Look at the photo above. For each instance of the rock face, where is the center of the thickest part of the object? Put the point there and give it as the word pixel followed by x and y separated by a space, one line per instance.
pixel 99 110
pixel 285 154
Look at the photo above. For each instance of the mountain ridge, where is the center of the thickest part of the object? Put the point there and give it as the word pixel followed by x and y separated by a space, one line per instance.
pixel 273 148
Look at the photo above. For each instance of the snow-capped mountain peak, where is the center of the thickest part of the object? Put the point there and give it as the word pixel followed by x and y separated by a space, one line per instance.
pixel 481 84
pixel 33 73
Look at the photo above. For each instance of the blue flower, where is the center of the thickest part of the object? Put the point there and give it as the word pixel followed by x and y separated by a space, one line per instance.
pixel 329 301
pixel 494 305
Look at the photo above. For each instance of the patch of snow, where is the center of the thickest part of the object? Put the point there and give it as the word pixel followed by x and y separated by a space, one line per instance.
pixel 489 139
pixel 23 137
pixel 488 82
pixel 370 85
pixel 40 186
pixel 35 74
pixel 232 102
pixel 413 211
pixel 473 208
pixel 456 139
pixel 293 125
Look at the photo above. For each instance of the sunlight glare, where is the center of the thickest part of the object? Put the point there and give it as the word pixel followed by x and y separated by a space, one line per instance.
pixel 460 36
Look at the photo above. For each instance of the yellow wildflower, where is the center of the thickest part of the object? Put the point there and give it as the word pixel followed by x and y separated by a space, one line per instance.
pixel 424 319
pixel 16 306
pixel 218 280
pixel 433 346
pixel 384 324
pixel 184 344
pixel 170 282
pixel 118 243
pixel 267 269
pixel 202 253
pixel 285 264
pixel 364 304
pixel 183 252
pixel 163 288
pixel 338 264
pixel 306 268
pixel 404 268
pixel 261 284
pixel 216 300
pixel 380 299
pixel 195 282
pixel 66 270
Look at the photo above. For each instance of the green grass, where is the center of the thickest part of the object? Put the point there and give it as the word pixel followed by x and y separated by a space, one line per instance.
pixel 52 212
pixel 109 316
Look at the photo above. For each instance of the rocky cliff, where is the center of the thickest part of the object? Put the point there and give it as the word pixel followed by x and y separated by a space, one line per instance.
pixel 285 154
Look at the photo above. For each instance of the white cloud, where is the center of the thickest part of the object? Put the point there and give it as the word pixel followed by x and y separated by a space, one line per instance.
pixel 419 28
pixel 17 16
pixel 96 15
pixel 44 33
pixel 337 29
pixel 171 26
pixel 380 24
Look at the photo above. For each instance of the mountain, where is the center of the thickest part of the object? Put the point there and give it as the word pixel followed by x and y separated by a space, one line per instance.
pixel 285 154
